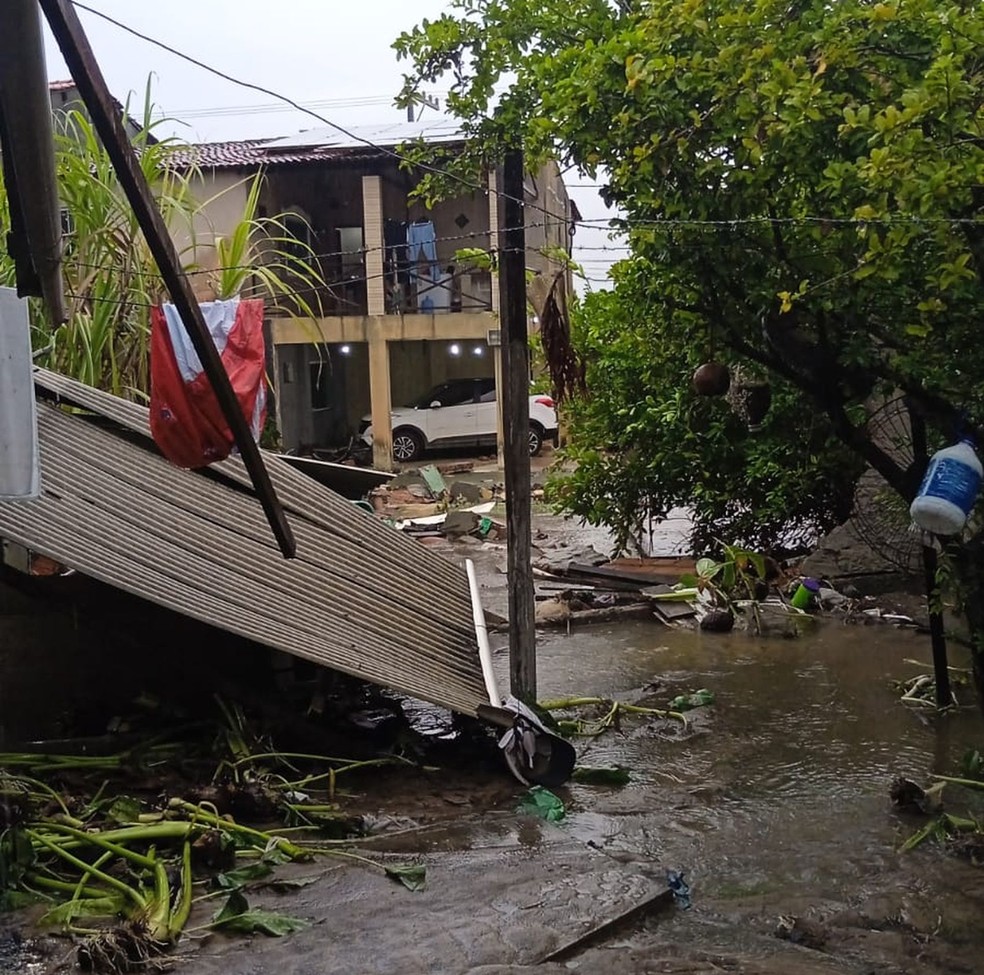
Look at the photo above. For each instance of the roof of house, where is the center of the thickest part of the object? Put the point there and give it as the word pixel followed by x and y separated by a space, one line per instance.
pixel 61 85
pixel 325 144
pixel 359 597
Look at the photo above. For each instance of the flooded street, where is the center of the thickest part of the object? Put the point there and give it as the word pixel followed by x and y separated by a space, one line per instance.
pixel 775 803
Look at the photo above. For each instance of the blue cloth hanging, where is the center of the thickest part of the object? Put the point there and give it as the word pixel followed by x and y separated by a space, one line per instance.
pixel 421 241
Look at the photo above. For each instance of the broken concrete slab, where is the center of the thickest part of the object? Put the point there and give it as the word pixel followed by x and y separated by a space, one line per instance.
pixel 467 491
pixel 458 523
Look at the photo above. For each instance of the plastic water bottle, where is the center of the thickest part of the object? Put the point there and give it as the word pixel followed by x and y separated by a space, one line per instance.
pixel 948 490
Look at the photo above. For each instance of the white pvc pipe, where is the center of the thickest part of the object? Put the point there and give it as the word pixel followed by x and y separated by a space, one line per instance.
pixel 482 635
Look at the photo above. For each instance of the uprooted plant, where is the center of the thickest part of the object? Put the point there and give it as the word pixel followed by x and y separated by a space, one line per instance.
pixel 118 870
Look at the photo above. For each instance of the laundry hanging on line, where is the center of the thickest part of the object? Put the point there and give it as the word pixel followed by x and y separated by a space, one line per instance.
pixel 186 421
pixel 421 244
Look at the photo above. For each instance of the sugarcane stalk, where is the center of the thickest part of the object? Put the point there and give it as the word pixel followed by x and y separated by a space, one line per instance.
pixel 256 836
pixel 152 832
pixel 967 783
pixel 97 839
pixel 182 910
pixel 79 864
pixel 76 890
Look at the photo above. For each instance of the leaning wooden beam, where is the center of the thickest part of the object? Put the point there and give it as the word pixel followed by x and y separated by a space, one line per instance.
pixel 81 61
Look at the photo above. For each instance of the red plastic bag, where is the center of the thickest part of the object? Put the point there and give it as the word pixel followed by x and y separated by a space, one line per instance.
pixel 185 418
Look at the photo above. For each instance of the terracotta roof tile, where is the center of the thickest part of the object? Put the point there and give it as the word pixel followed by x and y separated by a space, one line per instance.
pixel 253 153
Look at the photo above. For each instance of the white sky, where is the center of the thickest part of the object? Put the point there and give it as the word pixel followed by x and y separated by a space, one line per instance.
pixel 321 53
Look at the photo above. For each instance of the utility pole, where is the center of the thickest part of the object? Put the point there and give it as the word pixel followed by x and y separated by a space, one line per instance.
pixel 515 395
pixel 426 101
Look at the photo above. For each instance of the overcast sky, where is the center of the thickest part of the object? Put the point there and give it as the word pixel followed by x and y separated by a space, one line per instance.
pixel 331 56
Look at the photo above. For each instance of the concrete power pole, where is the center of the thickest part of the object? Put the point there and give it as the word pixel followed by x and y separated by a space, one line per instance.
pixel 515 395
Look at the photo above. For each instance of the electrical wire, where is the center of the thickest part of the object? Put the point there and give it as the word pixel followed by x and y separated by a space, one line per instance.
pixel 385 150
pixel 472 185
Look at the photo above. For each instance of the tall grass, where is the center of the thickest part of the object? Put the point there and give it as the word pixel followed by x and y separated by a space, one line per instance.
pixel 111 280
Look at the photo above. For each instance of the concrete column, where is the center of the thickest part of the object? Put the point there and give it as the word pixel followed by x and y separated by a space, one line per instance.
pixel 379 397
pixel 372 222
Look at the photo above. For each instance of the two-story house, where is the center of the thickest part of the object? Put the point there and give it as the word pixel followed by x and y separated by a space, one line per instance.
pixel 400 312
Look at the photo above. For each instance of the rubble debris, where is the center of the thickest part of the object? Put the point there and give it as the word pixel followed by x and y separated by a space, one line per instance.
pixel 434 480
pixel 802 931
pixel 657 900
pixel 543 803
pixel 909 796
pixel 718 620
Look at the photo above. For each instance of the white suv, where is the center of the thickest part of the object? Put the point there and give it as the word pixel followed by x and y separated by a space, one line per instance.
pixel 458 413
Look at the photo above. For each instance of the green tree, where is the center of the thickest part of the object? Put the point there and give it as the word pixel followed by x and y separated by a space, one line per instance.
pixel 802 181
pixel 644 441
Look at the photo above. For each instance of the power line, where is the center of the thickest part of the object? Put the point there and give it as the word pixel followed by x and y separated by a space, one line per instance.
pixel 615 225
pixel 436 170
pixel 275 108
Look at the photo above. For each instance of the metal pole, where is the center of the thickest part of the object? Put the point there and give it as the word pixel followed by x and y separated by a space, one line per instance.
pixel 81 61
pixel 515 394
pixel 937 635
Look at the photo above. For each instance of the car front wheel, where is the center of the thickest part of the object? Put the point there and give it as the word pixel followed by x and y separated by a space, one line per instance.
pixel 408 445
pixel 536 439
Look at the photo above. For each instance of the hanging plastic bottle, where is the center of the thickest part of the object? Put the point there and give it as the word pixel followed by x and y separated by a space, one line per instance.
pixel 948 490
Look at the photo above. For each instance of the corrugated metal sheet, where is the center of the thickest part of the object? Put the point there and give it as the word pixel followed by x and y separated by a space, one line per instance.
pixel 326 144
pixel 360 597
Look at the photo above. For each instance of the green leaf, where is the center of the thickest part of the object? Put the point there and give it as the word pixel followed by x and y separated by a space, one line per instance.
pixel 16 900
pixel 16 857
pixel 284 884
pixel 264 922
pixel 601 775
pixel 412 876
pixel 240 876
pixel 236 915
pixel 124 810
pixel 63 915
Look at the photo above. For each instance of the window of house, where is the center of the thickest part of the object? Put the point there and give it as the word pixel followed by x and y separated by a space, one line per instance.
pixel 320 385
pixel 350 244
pixel 299 241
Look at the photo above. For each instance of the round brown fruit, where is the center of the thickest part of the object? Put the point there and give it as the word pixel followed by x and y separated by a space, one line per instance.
pixel 712 379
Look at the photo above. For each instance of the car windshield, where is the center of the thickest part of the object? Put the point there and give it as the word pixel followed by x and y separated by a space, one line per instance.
pixel 451 393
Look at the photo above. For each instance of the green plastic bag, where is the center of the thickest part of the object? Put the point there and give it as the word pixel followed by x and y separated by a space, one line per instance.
pixel 543 803
pixel 687 702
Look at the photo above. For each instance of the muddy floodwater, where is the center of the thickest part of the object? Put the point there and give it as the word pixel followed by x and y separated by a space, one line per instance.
pixel 774 804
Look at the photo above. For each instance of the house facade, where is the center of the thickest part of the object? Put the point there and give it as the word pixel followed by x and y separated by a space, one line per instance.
pixel 400 312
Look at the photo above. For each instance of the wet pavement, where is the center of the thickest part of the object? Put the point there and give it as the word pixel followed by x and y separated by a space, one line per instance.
pixel 774 802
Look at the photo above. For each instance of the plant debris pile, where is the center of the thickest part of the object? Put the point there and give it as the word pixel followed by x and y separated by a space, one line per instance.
pixel 118 849
pixel 962 835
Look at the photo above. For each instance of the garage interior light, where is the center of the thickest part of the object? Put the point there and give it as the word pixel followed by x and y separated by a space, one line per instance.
pixel 454 349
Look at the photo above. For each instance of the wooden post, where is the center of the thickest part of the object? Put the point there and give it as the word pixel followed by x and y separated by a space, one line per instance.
pixel 515 393
pixel 81 61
